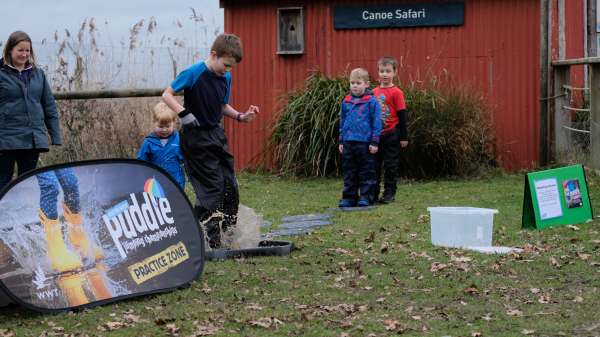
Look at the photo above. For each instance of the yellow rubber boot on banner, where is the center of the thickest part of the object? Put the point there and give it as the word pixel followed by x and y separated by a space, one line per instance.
pixel 98 284
pixel 72 288
pixel 61 258
pixel 79 238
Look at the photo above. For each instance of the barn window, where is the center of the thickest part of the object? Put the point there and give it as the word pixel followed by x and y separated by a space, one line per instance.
pixel 290 30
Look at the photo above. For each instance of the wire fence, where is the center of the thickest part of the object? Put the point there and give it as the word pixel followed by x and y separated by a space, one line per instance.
pixel 114 67
pixel 577 109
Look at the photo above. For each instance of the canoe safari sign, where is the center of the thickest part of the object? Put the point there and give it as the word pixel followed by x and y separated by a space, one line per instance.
pixel 405 15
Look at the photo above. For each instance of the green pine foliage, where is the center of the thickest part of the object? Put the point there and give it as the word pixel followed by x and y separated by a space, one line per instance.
pixel 449 131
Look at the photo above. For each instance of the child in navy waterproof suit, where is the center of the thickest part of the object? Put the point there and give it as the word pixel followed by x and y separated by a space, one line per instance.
pixel 208 163
pixel 360 126
pixel 161 147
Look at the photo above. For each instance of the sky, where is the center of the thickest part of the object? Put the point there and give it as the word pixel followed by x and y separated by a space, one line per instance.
pixel 114 18
pixel 172 32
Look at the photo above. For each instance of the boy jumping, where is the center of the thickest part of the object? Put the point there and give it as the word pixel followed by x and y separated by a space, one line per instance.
pixel 209 165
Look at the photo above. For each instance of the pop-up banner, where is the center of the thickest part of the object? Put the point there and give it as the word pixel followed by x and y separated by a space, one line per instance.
pixel 86 233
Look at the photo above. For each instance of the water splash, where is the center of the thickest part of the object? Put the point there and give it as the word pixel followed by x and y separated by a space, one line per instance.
pixel 245 233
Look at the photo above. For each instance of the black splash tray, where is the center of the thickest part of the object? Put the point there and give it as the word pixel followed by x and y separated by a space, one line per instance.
pixel 265 248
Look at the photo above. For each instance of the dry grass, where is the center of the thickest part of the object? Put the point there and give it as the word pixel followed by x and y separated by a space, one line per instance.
pixel 114 128
pixel 108 128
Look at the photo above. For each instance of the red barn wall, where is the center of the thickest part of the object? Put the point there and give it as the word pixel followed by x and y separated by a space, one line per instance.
pixel 497 51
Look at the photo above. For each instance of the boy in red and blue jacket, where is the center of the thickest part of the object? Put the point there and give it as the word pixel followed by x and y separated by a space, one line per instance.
pixel 360 127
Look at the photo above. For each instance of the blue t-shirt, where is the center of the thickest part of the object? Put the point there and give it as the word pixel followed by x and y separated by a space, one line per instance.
pixel 204 93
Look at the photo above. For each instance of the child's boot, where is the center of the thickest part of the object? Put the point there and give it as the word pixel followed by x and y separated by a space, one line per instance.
pixel 79 238
pixel 61 258
pixel 97 282
pixel 72 288
pixel 388 197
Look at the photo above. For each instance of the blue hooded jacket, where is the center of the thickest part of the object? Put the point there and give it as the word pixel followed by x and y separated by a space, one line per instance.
pixel 360 119
pixel 166 156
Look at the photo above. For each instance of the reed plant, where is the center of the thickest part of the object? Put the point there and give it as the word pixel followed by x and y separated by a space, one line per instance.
pixel 87 60
pixel 304 140
pixel 450 133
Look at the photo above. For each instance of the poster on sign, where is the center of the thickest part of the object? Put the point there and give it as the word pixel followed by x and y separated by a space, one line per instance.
pixel 87 233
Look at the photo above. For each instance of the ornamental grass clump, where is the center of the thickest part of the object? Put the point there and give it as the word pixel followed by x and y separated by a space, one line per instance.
pixel 449 130
pixel 304 140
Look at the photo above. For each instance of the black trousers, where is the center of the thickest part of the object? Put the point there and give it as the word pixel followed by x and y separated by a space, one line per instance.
pixel 210 168
pixel 26 160
pixel 358 168
pixel 386 159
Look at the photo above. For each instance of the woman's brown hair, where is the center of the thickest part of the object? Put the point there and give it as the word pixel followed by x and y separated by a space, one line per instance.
pixel 14 39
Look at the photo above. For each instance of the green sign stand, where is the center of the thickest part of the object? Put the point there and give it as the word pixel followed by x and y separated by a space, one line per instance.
pixel 556 197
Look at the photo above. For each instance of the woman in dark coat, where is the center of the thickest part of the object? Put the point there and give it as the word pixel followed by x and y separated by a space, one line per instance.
pixel 28 113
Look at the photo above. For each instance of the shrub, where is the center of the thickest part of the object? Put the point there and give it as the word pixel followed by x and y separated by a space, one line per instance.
pixel 304 140
pixel 449 130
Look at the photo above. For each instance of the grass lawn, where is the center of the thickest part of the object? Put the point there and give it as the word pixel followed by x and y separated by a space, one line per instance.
pixel 371 273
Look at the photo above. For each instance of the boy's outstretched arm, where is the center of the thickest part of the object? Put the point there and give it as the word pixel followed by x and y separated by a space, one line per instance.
pixel 246 117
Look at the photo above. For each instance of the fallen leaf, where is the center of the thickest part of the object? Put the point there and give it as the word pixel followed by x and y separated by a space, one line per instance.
pixel 391 324
pixel 487 317
pixel 472 289
pixel 6 333
pixel 266 322
pixel 206 289
pixel 172 328
pixel 584 256
pixel 544 299
pixel 131 318
pixel 254 306
pixel 436 266
pixel 460 258
pixel 514 312
pixel 575 228
pixel 423 218
pixel 306 316
pixel 527 332
pixel 205 330
pixel 113 325
pixel 342 251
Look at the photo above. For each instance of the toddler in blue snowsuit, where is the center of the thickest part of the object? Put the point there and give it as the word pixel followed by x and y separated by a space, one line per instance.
pixel 161 146
pixel 360 127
